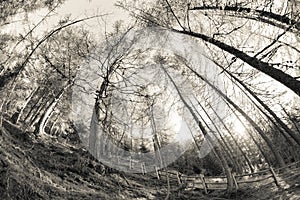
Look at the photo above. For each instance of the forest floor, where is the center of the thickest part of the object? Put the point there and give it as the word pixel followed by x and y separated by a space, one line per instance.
pixel 49 168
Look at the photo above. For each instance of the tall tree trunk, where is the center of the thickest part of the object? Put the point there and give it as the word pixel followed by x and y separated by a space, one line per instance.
pixel 219 153
pixel 53 124
pixel 233 138
pixel 156 141
pixel 261 66
pixel 277 155
pixel 35 116
pixel 259 146
pixel 296 137
pixel 224 141
pixel 223 144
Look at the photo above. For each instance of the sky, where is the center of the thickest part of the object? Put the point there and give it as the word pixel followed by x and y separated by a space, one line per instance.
pixel 75 9
pixel 83 8
pixel 88 7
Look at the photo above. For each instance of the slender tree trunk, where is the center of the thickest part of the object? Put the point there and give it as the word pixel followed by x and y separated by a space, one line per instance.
pixel 34 118
pixel 226 146
pixel 296 137
pixel 276 153
pixel 292 120
pixel 28 99
pixel 234 139
pixel 47 114
pixel 53 124
pixel 259 146
pixel 278 157
pixel 156 142
pixel 219 153
pixel 36 106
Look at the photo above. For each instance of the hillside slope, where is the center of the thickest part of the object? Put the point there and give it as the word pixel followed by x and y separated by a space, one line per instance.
pixel 45 168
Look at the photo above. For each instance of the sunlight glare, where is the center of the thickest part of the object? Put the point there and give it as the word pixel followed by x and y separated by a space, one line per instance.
pixel 239 129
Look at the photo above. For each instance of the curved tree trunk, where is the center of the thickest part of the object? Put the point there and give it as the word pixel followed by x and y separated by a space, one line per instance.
pixel 9 76
pixel 259 14
pixel 34 117
pixel 34 108
pixel 261 66
pixel 28 99
pixel 47 114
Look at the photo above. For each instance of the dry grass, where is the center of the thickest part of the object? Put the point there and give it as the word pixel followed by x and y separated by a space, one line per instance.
pixel 45 168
